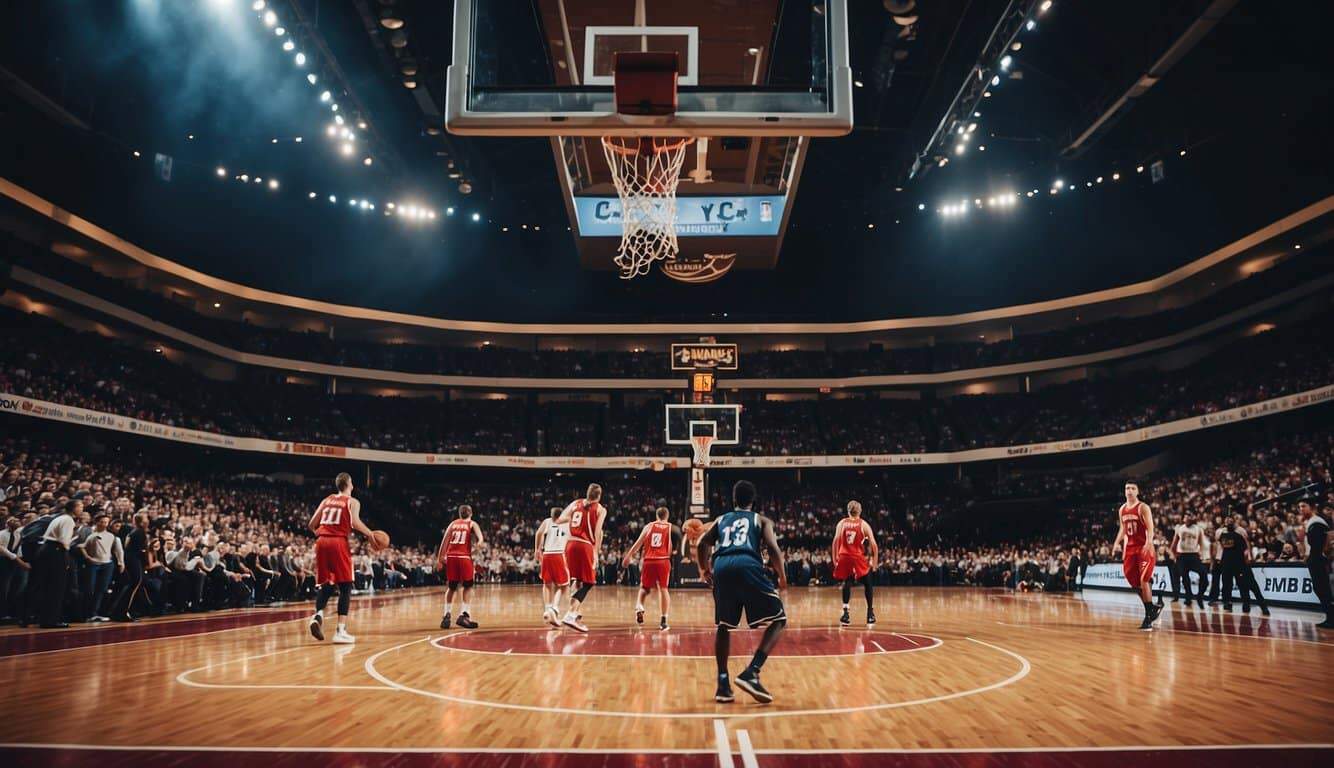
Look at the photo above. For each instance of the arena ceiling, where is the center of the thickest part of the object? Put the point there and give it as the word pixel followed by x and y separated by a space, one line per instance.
pixel 88 84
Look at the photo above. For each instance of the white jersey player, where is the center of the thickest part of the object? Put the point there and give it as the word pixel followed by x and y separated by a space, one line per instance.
pixel 549 546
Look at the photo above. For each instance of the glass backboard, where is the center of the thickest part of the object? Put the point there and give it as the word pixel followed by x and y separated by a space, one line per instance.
pixel 748 67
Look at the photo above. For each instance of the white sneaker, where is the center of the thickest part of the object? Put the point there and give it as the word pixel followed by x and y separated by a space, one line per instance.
pixel 341 637
pixel 551 617
pixel 573 622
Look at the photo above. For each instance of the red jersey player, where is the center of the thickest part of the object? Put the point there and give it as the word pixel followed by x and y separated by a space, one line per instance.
pixel 851 536
pixel 585 517
pixel 333 522
pixel 455 557
pixel 656 570
pixel 549 549
pixel 1136 532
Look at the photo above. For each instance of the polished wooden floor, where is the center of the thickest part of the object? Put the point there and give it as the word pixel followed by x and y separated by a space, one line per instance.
pixel 946 671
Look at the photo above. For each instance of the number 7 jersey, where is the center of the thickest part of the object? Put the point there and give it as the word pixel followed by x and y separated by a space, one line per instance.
pixel 738 534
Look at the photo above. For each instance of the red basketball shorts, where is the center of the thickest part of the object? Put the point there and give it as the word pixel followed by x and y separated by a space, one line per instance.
pixel 458 569
pixel 851 568
pixel 333 560
pixel 580 560
pixel 1138 568
pixel 656 573
pixel 554 571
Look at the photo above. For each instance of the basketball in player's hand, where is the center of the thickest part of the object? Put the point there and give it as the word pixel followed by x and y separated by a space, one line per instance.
pixel 379 541
pixel 693 528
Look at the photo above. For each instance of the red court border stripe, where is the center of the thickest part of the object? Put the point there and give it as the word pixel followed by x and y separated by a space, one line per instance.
pixel 70 756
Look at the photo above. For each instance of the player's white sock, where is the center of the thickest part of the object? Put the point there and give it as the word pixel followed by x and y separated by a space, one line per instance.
pixel 342 626
pixel 320 613
pixel 464 607
pixel 445 615
pixel 845 606
pixel 639 606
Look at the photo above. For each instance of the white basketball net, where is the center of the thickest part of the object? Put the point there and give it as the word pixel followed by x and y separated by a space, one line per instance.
pixel 646 172
pixel 701 445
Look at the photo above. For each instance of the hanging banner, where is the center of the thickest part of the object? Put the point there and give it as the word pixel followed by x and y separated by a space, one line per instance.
pixel 745 216
pixel 25 406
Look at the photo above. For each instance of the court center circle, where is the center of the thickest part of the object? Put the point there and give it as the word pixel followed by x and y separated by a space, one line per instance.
pixel 722 712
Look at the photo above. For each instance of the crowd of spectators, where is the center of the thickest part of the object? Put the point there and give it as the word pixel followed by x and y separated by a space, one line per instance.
pixel 212 542
pixel 217 542
pixel 42 359
pixel 498 360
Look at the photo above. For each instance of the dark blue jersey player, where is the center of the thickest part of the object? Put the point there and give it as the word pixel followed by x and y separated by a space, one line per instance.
pixel 740 581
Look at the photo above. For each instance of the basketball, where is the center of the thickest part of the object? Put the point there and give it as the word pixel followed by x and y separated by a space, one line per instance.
pixel 379 541
pixel 693 528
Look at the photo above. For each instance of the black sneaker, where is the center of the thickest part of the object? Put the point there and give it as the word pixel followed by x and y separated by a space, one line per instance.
pixel 639 615
pixel 749 681
pixel 724 693
pixel 1264 611
pixel 662 624
pixel 444 621
pixel 1147 624
pixel 1201 603
pixel 466 621
pixel 1227 607
pixel 317 627
pixel 845 619
pixel 1157 612
pixel 870 618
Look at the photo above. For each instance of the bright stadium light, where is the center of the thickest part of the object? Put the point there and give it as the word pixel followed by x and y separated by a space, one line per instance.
pixel 221 171
pixel 1046 6
pixel 325 96
pixel 270 18
pixel 258 5
pixel 300 59
pixel 288 45
pixel 1006 61
pixel 477 217
pixel 995 79
pixel 279 31
pixel 1031 25
pixel 959 149
pixel 347 149
pixel 449 211
pixel 921 206
pixel 1058 184
pixel 311 195
pixel 1116 177
pixel 339 120
pixel 273 183
pixel 367 161
pixel 333 198
pixel 245 177
pixel 332 130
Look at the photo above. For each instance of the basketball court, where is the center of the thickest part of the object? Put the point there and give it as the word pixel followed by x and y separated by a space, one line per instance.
pixel 948 677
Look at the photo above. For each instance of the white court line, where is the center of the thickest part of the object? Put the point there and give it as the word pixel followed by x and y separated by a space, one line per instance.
pixel 723 745
pixel 645 750
pixel 383 599
pixel 748 759
pixel 905 637
pixel 184 677
pixel 747 712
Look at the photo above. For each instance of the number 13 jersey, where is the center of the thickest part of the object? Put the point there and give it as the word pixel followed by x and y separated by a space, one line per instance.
pixel 738 534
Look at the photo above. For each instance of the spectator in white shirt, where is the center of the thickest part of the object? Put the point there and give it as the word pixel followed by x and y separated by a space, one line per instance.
pixel 99 549
pixel 50 578
pixel 11 565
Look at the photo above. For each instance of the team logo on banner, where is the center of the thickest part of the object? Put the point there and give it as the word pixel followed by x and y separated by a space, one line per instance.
pixel 721 357
pixel 705 270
